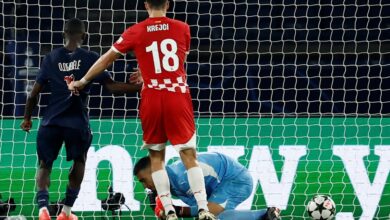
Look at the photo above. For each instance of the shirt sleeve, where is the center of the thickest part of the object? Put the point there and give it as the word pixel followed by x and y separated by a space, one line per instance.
pixel 126 42
pixel 43 74
pixel 188 38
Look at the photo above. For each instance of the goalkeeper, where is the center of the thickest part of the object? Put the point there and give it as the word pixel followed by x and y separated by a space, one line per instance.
pixel 66 116
pixel 228 184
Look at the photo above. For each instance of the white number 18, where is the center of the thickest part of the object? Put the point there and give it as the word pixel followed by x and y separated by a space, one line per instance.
pixel 168 54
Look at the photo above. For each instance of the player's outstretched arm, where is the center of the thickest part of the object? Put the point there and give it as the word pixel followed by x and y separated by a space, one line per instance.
pixel 120 87
pixel 32 101
pixel 97 68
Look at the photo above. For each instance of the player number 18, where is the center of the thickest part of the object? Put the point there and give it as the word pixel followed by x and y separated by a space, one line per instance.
pixel 168 54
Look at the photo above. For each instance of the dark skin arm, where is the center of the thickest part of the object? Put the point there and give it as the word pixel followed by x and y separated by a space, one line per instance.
pixel 183 212
pixel 32 101
pixel 115 87
pixel 97 68
pixel 214 208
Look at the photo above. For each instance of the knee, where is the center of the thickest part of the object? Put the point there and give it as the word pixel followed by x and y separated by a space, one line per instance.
pixel 188 157
pixel 188 154
pixel 215 208
pixel 156 157
pixel 45 166
pixel 80 160
pixel 156 163
pixel 78 167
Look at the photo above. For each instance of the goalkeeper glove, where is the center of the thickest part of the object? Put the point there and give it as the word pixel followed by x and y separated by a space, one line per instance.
pixel 159 210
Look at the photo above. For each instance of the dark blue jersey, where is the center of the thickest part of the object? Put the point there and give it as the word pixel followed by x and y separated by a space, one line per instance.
pixel 65 109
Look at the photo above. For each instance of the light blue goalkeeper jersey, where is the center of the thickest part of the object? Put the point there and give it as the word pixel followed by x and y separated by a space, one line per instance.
pixel 217 169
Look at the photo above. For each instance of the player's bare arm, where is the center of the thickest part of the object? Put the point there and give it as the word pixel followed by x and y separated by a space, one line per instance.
pixel 97 68
pixel 32 101
pixel 115 87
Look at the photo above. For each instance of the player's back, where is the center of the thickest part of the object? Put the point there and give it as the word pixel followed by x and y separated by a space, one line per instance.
pixel 64 109
pixel 160 45
pixel 62 62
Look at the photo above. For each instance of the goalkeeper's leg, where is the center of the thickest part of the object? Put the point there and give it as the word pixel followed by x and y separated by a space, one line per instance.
pixel 271 213
pixel 243 215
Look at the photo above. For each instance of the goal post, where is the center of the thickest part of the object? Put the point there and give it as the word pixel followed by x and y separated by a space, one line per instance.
pixel 296 91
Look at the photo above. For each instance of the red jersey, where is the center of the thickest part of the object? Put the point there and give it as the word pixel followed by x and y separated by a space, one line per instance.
pixel 160 45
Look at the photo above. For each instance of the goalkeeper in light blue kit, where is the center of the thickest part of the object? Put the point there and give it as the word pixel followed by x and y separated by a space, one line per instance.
pixel 228 184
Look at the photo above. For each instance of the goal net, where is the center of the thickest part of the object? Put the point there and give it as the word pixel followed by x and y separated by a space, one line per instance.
pixel 297 91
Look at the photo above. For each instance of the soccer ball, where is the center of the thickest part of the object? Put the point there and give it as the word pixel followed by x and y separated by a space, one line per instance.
pixel 321 207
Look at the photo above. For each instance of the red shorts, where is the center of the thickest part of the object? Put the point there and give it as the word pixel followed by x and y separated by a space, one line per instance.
pixel 167 116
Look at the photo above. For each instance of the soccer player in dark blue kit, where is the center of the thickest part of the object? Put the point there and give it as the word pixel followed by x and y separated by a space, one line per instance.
pixel 66 118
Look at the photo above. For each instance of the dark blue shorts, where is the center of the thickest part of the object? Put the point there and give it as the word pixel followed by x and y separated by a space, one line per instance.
pixel 51 138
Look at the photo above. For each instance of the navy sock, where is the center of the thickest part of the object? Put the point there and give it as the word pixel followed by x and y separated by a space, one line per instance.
pixel 71 196
pixel 43 198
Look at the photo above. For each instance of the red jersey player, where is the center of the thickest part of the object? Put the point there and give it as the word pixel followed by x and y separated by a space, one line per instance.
pixel 160 45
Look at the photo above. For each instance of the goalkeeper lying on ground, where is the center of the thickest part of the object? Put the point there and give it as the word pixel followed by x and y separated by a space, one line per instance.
pixel 228 184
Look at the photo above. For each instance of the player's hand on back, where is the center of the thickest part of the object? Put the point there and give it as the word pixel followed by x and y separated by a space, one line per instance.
pixel 136 77
pixel 78 85
pixel 26 125
pixel 70 83
pixel 74 89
